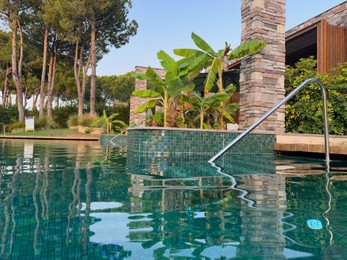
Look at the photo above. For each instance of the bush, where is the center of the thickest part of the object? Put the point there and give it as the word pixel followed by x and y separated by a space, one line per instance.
pixel 62 115
pixel 44 123
pixel 123 110
pixel 304 111
pixel 87 119
pixel 16 126
pixel 73 120
pixel 8 114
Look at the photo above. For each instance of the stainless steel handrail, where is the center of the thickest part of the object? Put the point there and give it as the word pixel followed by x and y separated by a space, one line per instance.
pixel 3 127
pixel 289 96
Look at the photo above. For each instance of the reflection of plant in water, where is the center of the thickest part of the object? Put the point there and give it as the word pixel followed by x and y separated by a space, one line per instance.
pixel 9 203
pixel 75 205
pixel 86 221
pixel 35 191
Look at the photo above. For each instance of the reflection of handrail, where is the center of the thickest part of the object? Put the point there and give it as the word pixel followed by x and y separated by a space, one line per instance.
pixel 279 104
pixel 121 133
pixel 3 125
pixel 331 240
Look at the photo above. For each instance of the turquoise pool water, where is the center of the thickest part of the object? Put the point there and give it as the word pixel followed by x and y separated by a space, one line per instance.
pixel 80 200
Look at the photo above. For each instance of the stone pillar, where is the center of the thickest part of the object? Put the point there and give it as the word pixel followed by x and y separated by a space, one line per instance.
pixel 138 119
pixel 262 75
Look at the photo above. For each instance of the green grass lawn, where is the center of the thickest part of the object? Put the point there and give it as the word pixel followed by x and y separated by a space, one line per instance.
pixel 48 132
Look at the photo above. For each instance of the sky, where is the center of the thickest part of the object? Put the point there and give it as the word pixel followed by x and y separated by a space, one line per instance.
pixel 168 24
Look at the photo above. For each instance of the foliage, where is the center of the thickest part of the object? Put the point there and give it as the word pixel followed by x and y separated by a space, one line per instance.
pixel 87 119
pixel 166 89
pixel 215 61
pixel 304 111
pixel 211 103
pixel 109 123
pixel 44 123
pixel 15 126
pixel 115 88
pixel 156 119
pixel 123 110
pixel 62 115
pixel 8 114
pixel 73 120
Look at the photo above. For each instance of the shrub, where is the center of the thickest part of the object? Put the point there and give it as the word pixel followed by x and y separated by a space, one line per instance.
pixel 8 114
pixel 13 127
pixel 87 119
pixel 73 120
pixel 88 131
pixel 304 110
pixel 123 109
pixel 62 115
pixel 45 123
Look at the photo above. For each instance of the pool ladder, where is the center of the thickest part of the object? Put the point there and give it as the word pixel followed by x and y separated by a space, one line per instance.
pixel 273 109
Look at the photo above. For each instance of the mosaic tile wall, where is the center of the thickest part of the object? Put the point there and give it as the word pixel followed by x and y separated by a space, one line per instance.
pixel 158 141
pixel 173 153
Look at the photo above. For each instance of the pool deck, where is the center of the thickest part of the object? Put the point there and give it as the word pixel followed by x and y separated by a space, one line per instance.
pixel 310 143
pixel 69 137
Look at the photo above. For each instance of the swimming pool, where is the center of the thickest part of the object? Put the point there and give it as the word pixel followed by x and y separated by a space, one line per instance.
pixel 81 200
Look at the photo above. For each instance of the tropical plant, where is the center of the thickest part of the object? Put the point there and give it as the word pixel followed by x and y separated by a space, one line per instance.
pixel 109 123
pixel 215 61
pixel 212 103
pixel 304 111
pixel 166 89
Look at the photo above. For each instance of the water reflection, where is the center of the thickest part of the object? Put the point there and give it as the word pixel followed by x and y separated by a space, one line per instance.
pixel 79 200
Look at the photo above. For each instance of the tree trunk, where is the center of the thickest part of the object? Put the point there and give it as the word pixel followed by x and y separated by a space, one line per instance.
pixel 93 65
pixel 49 79
pixel 77 72
pixel 84 79
pixel 43 74
pixel 35 96
pixel 17 68
pixel 51 83
pixel 5 89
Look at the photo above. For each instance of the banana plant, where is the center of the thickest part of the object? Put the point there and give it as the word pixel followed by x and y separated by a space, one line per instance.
pixel 108 122
pixel 204 104
pixel 215 61
pixel 165 89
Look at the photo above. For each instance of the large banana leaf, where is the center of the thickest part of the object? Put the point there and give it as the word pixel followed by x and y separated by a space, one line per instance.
pixel 216 98
pixel 147 105
pixel 225 114
pixel 230 89
pixel 186 52
pixel 196 102
pixel 247 48
pixel 175 87
pixel 168 63
pixel 232 108
pixel 154 77
pixel 189 87
pixel 202 44
pixel 211 76
pixel 146 93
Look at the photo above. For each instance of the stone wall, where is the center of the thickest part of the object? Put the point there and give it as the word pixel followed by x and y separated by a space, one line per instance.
pixel 262 75
pixel 138 119
pixel 335 16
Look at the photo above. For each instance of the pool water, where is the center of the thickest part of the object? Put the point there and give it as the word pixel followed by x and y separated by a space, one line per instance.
pixel 81 200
